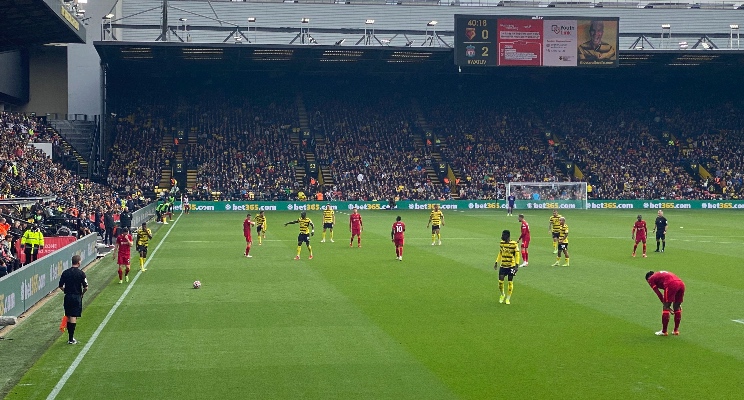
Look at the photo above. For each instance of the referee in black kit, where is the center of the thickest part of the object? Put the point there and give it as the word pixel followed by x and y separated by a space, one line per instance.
pixel 74 283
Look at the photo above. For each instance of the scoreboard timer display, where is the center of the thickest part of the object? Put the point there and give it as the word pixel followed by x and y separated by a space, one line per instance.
pixel 488 40
pixel 475 40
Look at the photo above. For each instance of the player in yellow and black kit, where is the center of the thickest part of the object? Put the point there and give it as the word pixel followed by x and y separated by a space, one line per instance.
pixel 143 240
pixel 260 226
pixel 562 242
pixel 509 259
pixel 307 229
pixel 436 220
pixel 554 224
pixel 329 219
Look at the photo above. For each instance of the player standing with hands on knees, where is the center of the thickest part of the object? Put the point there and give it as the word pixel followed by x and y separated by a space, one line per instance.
pixel 397 235
pixel 660 227
pixel 674 295
pixel 640 231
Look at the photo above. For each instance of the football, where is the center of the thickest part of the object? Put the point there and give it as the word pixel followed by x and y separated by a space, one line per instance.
pixel 197 284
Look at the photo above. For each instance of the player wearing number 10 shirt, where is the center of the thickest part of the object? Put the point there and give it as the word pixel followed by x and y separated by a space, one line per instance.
pixel 397 235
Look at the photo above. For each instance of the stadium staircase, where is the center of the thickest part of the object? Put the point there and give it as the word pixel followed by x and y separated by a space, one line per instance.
pixel 78 138
pixel 302 169
pixel 436 157
pixel 166 171
pixel 191 172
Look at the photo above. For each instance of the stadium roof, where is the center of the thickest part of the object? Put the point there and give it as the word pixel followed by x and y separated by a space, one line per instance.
pixel 25 23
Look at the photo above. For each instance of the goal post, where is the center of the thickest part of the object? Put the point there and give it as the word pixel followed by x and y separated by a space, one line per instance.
pixel 549 194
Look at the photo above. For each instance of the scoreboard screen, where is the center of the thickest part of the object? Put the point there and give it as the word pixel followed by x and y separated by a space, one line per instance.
pixel 488 40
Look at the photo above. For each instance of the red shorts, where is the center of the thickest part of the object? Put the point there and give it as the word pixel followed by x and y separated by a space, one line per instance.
pixel 639 239
pixel 123 259
pixel 525 243
pixel 675 292
pixel 398 242
pixel 248 239
pixel 356 232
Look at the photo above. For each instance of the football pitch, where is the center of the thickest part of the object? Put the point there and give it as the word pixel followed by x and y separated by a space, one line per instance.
pixel 355 323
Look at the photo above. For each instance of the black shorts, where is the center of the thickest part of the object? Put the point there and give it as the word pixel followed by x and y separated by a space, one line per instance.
pixel 562 247
pixel 511 205
pixel 510 272
pixel 434 228
pixel 73 305
pixel 556 235
pixel 328 225
pixel 141 248
pixel 660 235
pixel 303 238
pixel 259 228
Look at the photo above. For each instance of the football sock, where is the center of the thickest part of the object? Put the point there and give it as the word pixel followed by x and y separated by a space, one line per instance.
pixel 657 245
pixel 555 245
pixel 501 287
pixel 664 320
pixel 401 251
pixel 677 319
pixel 433 237
pixel 299 248
pixel 142 262
pixel 644 248
pixel 310 249
pixel 259 239
pixel 567 262
pixel 247 250
pixel 71 330
pixel 126 271
pixel 635 246
pixel 509 289
pixel 525 255
pixel 331 235
pixel 120 274
pixel 439 237
pixel 663 245
pixel 323 236
pixel 558 259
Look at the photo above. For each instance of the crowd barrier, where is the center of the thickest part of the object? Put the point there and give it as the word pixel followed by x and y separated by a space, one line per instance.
pixel 461 205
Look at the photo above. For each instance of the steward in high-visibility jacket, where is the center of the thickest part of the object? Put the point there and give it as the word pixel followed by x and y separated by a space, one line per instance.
pixel 32 241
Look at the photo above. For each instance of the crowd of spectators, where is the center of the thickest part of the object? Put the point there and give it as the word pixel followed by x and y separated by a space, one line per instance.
pixel 368 143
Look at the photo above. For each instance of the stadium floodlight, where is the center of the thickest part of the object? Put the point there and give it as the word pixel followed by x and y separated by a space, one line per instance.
pixel 305 20
pixel 734 26
pixel 432 23
pixel 340 42
pixel 666 26
pixel 252 19
pixel 369 21
pixel 108 16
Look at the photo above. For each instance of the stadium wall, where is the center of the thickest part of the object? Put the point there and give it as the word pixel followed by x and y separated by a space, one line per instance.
pixel 47 80
pixel 14 77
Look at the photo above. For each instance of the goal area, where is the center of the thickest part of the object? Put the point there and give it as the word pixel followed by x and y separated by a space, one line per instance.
pixel 559 193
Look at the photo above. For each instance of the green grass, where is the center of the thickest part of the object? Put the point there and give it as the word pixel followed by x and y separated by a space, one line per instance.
pixel 355 323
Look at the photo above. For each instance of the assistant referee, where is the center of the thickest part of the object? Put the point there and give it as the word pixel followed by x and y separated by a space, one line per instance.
pixel 74 283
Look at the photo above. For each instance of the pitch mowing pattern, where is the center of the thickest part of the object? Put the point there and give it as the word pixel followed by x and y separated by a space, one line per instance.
pixel 356 323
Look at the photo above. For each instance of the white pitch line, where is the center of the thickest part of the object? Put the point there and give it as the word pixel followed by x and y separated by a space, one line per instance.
pixel 79 358
pixel 738 321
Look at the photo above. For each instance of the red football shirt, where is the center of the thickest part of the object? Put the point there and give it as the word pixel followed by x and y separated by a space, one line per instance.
pixel 525 231
pixel 356 221
pixel 124 248
pixel 399 229
pixel 247 227
pixel 640 228
pixel 662 279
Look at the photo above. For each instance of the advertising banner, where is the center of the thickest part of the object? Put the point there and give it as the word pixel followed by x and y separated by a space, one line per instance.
pixel 23 288
pixel 460 205
pixel 559 42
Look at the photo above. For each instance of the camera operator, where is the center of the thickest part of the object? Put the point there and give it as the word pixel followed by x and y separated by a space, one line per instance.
pixel 32 241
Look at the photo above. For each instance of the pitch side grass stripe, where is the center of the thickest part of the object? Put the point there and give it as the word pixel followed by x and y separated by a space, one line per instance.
pixel 105 321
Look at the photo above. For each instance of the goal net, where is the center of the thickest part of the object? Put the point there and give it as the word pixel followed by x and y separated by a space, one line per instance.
pixel 559 194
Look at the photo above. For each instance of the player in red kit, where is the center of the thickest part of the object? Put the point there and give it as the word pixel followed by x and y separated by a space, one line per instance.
pixel 247 224
pixel 524 239
pixel 356 228
pixel 639 234
pixel 397 235
pixel 122 252
pixel 674 294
